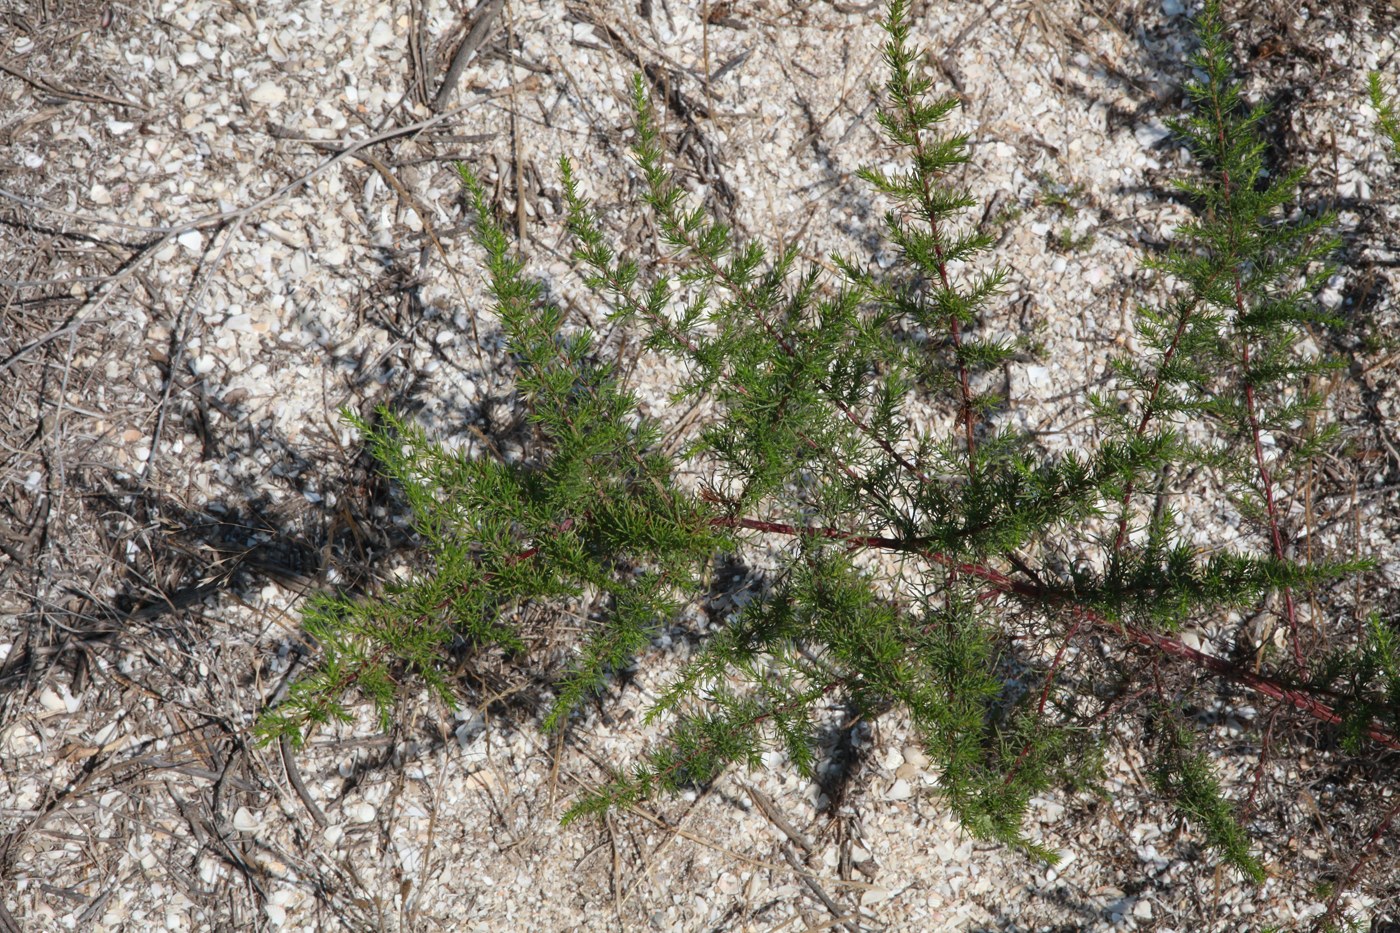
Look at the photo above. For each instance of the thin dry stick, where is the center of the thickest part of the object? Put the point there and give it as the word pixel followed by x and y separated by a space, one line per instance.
pixel 800 841
pixel 8 924
pixel 673 832
pixel 1275 537
pixel 838 914
pixel 289 764
pixel 429 848
pixel 87 97
pixel 480 29
pixel 189 305
pixel 770 810
pixel 705 45
pixel 616 868
pixel 520 229
pixel 425 218
pixel 739 857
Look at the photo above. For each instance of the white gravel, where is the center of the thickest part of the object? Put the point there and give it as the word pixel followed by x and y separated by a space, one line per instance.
pixel 289 309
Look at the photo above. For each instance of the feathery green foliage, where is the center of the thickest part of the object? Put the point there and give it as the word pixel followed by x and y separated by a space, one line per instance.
pixel 1368 682
pixel 1387 117
pixel 1186 776
pixel 912 569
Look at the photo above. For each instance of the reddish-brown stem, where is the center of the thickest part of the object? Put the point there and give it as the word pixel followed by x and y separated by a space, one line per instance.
pixel 1263 758
pixel 1054 669
pixel 1039 595
pixel 954 325
pixel 1121 700
pixel 1299 698
pixel 1368 851
pixel 965 415
pixel 1275 537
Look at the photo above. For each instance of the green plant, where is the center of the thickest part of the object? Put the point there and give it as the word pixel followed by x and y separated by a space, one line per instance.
pixel 1067 242
pixel 1062 197
pixel 1064 200
pixel 1386 117
pixel 913 569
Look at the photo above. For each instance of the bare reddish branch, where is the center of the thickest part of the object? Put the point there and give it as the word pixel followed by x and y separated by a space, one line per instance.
pixel 1275 537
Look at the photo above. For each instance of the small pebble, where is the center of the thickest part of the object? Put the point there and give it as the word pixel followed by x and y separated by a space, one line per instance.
pixel 900 791
pixel 245 821
pixel 268 93
pixel 360 813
